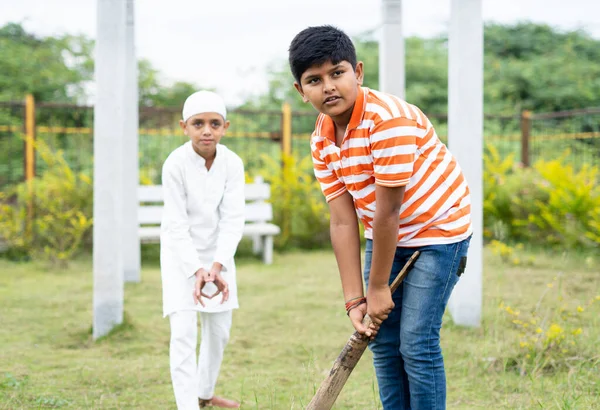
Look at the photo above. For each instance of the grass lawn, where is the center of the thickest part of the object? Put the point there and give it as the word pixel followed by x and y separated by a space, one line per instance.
pixel 290 328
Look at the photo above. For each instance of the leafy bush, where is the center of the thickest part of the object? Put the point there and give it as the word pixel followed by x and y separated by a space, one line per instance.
pixel 298 205
pixel 49 217
pixel 548 204
pixel 569 214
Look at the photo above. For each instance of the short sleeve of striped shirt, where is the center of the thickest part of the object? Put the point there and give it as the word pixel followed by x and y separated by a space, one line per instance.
pixel 331 186
pixel 394 146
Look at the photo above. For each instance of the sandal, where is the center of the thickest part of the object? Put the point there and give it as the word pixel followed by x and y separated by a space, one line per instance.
pixel 218 402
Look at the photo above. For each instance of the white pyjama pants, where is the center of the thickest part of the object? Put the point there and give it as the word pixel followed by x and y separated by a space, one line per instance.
pixel 190 380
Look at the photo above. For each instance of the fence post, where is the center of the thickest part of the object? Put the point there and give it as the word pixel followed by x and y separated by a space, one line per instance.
pixel 525 137
pixel 286 130
pixel 29 160
pixel 29 137
pixel 286 152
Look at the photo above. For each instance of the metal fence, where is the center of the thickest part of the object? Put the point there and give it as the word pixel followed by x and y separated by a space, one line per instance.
pixel 260 136
pixel 252 135
pixel 573 134
pixel 12 143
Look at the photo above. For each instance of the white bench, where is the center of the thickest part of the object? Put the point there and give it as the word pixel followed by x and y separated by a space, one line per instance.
pixel 259 213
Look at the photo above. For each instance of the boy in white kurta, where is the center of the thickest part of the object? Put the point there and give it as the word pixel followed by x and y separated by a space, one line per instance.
pixel 202 224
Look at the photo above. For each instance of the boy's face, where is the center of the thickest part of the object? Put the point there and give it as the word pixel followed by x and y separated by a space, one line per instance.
pixel 205 131
pixel 331 88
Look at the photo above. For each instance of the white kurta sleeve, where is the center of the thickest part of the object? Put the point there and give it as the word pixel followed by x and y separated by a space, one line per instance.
pixel 231 213
pixel 175 232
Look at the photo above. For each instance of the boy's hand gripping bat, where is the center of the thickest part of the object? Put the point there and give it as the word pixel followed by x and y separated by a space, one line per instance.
pixel 344 364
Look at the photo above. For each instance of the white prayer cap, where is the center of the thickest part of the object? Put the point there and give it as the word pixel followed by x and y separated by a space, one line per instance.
pixel 203 101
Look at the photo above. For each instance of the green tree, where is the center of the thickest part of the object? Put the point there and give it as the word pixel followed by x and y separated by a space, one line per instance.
pixel 536 67
pixel 280 89
pixel 50 68
pixel 526 66
pixel 58 69
pixel 153 93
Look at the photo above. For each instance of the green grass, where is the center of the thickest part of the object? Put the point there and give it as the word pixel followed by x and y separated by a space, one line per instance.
pixel 290 328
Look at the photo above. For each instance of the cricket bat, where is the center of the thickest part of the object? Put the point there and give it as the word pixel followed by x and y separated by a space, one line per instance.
pixel 351 353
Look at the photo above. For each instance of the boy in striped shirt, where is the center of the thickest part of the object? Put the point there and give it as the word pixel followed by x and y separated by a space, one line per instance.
pixel 379 159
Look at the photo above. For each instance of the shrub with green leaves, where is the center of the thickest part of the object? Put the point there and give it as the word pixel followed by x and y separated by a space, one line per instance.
pixel 570 214
pixel 298 205
pixel 548 204
pixel 48 217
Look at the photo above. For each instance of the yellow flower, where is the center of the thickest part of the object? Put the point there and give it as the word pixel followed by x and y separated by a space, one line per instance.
pixel 598 297
pixel 511 312
pixel 577 332
pixel 517 322
pixel 554 331
pixel 580 309
pixel 85 178
pixel 524 344
pixel 538 330
pixel 550 285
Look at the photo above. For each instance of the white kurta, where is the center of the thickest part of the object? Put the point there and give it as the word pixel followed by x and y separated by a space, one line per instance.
pixel 202 223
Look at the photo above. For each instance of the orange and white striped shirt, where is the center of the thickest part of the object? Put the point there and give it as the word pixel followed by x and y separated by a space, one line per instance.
pixel 391 143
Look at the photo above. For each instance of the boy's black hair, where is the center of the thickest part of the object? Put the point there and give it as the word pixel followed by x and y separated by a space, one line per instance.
pixel 317 45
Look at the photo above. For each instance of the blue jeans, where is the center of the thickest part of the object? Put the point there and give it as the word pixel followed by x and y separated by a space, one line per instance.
pixel 406 352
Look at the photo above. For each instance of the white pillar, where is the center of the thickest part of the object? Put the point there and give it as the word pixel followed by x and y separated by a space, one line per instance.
pixel 108 189
pixel 391 49
pixel 131 240
pixel 465 140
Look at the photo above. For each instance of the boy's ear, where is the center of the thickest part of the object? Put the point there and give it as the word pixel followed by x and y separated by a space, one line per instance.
pixel 226 125
pixel 359 72
pixel 298 88
pixel 182 125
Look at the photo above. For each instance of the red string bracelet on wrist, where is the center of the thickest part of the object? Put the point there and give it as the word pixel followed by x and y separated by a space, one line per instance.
pixel 351 304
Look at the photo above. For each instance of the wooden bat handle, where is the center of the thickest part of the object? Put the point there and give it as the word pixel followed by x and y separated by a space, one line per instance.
pixel 396 283
pixel 351 353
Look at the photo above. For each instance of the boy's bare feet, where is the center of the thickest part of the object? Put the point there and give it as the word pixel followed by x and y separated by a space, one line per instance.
pixel 219 402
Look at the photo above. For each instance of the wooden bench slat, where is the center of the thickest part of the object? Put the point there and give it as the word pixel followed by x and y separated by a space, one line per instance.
pixel 261 229
pixel 258 213
pixel 252 192
pixel 257 192
pixel 150 214
pixel 149 234
pixel 150 193
pixel 255 212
